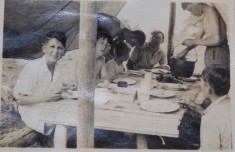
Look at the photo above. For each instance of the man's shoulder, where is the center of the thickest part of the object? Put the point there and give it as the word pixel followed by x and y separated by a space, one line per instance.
pixel 71 55
pixel 111 61
pixel 211 11
pixel 35 62
pixel 111 64
pixel 212 8
pixel 100 61
pixel 223 108
pixel 138 51
pixel 161 50
pixel 221 111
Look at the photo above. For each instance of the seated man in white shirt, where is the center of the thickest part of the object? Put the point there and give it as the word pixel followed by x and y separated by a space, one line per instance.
pixel 216 127
pixel 40 82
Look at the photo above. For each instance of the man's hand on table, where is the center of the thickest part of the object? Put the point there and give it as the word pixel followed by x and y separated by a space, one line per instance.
pixel 67 87
pixel 67 90
pixel 188 102
pixel 53 96
pixel 191 105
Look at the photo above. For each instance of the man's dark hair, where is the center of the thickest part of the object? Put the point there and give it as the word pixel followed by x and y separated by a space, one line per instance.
pixel 156 32
pixel 218 78
pixel 140 36
pixel 126 34
pixel 120 48
pixel 184 5
pixel 60 36
pixel 105 35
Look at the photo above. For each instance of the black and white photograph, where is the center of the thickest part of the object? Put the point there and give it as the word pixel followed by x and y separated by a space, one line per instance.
pixel 117 75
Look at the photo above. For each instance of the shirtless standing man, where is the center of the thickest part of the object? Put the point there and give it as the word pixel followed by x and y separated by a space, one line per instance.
pixel 212 35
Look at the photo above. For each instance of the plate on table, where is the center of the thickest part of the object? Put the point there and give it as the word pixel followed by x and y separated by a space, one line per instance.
pixel 162 93
pixel 174 86
pixel 128 81
pixel 159 71
pixel 160 106
pixel 190 79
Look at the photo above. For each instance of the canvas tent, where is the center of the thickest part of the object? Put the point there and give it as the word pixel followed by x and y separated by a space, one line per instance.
pixel 27 21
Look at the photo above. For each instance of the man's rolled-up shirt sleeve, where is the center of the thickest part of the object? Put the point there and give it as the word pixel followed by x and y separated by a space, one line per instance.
pixel 25 82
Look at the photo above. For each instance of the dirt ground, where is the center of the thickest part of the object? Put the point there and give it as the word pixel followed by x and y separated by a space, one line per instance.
pixel 10 120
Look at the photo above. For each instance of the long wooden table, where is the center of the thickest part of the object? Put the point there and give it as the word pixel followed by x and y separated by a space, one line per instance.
pixel 122 116
pixel 129 117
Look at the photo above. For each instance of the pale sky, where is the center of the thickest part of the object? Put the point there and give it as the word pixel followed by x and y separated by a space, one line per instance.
pixel 148 15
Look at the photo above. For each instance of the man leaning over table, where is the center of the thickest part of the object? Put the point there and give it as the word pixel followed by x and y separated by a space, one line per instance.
pixel 216 127
pixel 40 82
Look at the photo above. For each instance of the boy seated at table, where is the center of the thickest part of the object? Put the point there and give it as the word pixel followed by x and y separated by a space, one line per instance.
pixel 115 66
pixel 40 82
pixel 103 46
pixel 216 128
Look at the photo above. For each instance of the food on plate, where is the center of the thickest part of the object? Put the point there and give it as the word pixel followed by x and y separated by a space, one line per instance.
pixel 168 78
pixel 174 86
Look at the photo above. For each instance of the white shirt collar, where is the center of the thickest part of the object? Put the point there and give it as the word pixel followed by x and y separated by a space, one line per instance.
pixel 213 104
pixel 44 64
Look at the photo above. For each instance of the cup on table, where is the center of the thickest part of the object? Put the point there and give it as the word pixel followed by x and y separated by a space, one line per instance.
pixel 143 95
pixel 106 83
pixel 148 76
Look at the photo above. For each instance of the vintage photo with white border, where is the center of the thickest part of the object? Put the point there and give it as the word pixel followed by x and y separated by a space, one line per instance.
pixel 117 75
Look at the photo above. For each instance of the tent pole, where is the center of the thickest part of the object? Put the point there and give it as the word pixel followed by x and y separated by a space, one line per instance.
pixel 86 80
pixel 171 31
